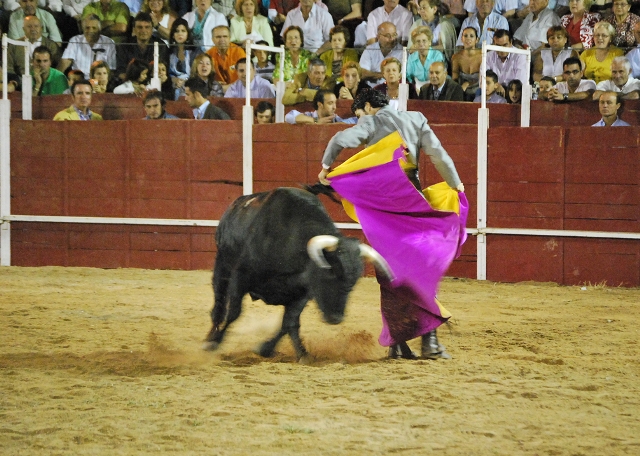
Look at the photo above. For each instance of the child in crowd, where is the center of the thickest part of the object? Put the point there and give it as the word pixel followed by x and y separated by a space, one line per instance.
pixel 137 78
pixel 492 84
pixel 545 85
pixel 264 67
pixel 514 92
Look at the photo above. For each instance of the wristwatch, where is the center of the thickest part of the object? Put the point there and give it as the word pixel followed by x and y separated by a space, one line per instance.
pixel 565 97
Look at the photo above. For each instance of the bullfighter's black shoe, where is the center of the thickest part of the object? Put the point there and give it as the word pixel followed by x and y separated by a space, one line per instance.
pixel 431 348
pixel 401 351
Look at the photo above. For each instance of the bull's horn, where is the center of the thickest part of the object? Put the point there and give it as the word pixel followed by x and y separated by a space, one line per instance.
pixel 368 252
pixel 315 248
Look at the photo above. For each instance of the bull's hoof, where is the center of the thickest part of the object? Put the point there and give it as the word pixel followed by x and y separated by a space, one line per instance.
pixel 305 360
pixel 210 345
pixel 266 350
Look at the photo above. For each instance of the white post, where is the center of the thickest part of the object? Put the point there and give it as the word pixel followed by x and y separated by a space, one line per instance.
pixel 403 90
pixel 27 87
pixel 5 179
pixel 247 130
pixel 155 80
pixel 280 90
pixel 483 127
pixel 525 109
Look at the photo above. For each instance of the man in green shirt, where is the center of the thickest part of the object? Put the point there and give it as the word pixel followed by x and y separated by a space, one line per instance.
pixel 46 80
pixel 114 18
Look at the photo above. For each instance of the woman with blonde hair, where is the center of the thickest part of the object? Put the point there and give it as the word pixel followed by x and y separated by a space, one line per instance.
pixel 249 24
pixel 202 68
pixel 597 60
pixel 352 82
pixel 392 72
pixel 162 17
pixel 420 61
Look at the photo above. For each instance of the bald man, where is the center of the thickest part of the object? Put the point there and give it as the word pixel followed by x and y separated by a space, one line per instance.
pixel 440 87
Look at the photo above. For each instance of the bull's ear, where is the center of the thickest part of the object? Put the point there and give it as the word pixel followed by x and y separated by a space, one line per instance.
pixel 316 247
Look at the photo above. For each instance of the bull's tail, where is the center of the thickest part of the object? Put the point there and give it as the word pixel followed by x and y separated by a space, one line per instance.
pixel 321 189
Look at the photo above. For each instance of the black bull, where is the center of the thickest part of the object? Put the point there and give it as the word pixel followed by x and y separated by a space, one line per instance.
pixel 282 247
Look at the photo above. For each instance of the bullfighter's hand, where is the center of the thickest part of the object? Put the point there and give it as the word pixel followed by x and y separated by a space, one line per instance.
pixel 322 177
pixel 460 187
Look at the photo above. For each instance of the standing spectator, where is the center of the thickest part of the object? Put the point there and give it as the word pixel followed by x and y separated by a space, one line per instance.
pixel 465 64
pixel 485 21
pixel 154 105
pixel 443 31
pixel 137 77
pixel 506 65
pixel 89 47
pixel 265 113
pixel 81 95
pixel 260 88
pixel 374 54
pixel 579 24
pixel 573 88
pixel 162 18
pixel 101 79
pixel 46 80
pixel 201 22
pixel 114 18
pixel 325 103
pixel 296 59
pixel 202 69
pixel 492 85
pixel 338 55
pixel 225 54
pixel 441 88
pixel 549 61
pixel 533 32
pixel 249 24
pixel 305 86
pixel 30 8
pixel 141 46
pixel 624 22
pixel 264 67
pixel 419 62
pixel 181 57
pixel 196 92
pixel 392 12
pixel 352 82
pixel 597 60
pixel 608 105
pixel 315 23
pixel 33 34
pixel 621 81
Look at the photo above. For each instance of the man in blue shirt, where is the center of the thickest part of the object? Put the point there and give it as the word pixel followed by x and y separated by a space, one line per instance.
pixel 260 88
pixel 608 106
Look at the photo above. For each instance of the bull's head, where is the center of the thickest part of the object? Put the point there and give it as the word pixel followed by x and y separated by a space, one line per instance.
pixel 338 266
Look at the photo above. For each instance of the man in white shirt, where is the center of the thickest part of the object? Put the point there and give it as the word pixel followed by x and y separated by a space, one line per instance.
pixel 485 21
pixel 260 88
pixel 315 22
pixel 621 81
pixel 573 88
pixel 374 54
pixel 85 49
pixel 533 31
pixel 325 113
pixel 392 12
pixel 506 8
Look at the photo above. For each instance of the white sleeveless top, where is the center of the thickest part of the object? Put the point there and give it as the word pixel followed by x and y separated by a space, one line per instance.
pixel 551 68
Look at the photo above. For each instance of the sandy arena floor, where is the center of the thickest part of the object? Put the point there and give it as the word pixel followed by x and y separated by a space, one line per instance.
pixel 109 362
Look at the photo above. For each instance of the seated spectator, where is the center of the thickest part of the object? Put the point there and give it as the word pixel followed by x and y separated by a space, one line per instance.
pixel 338 55
pixel 30 8
pixel 296 59
pixel 201 22
pixel 492 85
pixel 514 92
pixel 46 80
pixel 89 47
pixel 141 47
pixel 114 18
pixel 181 57
pixel 392 12
pixel 81 95
pixel 465 64
pixel 608 105
pixel 73 9
pixel 533 32
pixel 162 18
pixel 135 6
pixel 440 87
pixel 573 88
pixel 225 54
pixel 73 76
pixel 345 12
pixel 579 24
pixel 224 7
pixel 265 113
pixel 443 31
pixel 623 22
pixel 249 24
pixel 166 86
pixel 32 28
pixel 634 54
pixel 505 8
pixel 260 88
pixel 352 82
pixel 484 20
pixel 304 86
pixel 419 62
pixel 196 93
pixel 374 54
pixel 621 81
pixel 548 61
pixel 154 105
pixel 544 86
pixel 202 69
pixel 136 79
pixel 392 73
pixel 315 22
pixel 101 79
pixel 325 103
pixel 264 67
pixel 597 60
pixel 506 65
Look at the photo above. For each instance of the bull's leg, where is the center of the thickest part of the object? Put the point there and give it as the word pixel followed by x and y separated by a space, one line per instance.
pixel 229 291
pixel 291 326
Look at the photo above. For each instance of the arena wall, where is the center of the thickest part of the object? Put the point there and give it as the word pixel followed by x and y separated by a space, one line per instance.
pixel 555 176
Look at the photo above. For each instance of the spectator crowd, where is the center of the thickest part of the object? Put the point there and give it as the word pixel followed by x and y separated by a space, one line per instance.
pixel 333 50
